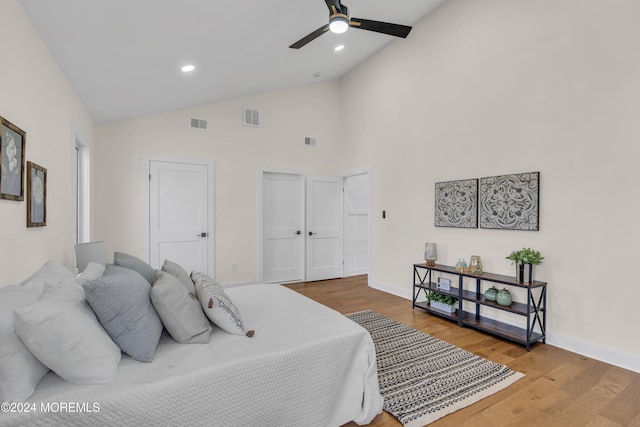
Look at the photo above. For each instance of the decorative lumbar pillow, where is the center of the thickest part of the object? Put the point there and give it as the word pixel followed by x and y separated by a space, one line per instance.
pixel 121 301
pixel 20 370
pixel 136 264
pixel 179 272
pixel 63 333
pixel 218 306
pixel 179 310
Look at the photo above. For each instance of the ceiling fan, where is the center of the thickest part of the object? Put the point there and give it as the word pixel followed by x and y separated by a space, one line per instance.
pixel 340 21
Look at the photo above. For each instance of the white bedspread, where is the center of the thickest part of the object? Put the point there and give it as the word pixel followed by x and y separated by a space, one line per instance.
pixel 307 365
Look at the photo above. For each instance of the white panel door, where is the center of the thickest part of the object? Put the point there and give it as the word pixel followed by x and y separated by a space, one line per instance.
pixel 178 215
pixel 324 228
pixel 356 224
pixel 283 226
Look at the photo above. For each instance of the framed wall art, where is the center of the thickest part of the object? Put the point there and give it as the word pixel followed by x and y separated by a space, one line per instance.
pixel 510 202
pixel 457 204
pixel 36 195
pixel 12 149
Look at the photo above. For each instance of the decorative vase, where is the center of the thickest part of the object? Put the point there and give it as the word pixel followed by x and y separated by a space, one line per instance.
pixel 430 254
pixel 491 294
pixel 504 297
pixel 475 265
pixel 524 273
pixel 519 272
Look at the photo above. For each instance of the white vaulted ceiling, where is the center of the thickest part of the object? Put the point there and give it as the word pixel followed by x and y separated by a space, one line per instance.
pixel 123 57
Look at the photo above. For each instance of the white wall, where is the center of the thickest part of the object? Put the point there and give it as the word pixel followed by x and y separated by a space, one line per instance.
pixel 483 88
pixel 239 152
pixel 478 89
pixel 35 96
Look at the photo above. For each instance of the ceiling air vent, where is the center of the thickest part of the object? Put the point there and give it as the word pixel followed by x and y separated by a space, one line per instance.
pixel 199 124
pixel 251 117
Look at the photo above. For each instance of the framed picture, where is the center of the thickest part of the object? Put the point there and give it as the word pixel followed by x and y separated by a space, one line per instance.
pixel 444 284
pixel 510 202
pixel 12 148
pixel 36 195
pixel 457 204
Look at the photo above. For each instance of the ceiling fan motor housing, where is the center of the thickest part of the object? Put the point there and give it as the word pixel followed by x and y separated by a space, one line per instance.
pixel 344 10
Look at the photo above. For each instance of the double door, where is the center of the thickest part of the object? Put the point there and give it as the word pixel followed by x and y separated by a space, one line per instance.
pixel 302 227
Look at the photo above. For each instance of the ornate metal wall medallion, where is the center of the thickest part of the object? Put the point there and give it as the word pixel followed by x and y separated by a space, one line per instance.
pixel 457 204
pixel 510 202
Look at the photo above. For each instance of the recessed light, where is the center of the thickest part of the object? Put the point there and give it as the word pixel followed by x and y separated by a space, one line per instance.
pixel 188 68
pixel 339 48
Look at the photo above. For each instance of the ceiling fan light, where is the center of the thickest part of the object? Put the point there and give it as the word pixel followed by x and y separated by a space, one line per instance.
pixel 339 24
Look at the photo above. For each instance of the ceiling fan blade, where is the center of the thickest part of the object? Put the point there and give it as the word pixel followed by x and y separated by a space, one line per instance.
pixel 310 37
pixel 381 27
pixel 337 6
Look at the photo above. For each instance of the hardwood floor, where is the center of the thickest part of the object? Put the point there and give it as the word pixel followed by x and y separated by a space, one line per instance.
pixel 560 388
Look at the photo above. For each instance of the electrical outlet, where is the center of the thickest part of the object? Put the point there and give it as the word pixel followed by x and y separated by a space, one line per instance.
pixel 234 267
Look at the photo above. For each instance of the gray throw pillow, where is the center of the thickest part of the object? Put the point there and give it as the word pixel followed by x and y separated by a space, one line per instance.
pixel 121 301
pixel 178 272
pixel 179 310
pixel 135 264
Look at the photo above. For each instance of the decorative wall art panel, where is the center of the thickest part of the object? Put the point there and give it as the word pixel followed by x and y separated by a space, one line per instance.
pixel 36 195
pixel 510 202
pixel 457 204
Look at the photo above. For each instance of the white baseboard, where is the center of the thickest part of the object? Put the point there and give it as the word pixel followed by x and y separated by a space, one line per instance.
pixel 402 293
pixel 594 351
pixel 236 284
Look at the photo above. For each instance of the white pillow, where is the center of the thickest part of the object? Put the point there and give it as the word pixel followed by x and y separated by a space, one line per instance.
pixel 20 371
pixel 92 271
pixel 218 306
pixel 63 333
pixel 51 272
pixel 179 310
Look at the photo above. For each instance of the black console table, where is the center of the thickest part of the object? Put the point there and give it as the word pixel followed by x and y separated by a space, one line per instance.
pixel 534 310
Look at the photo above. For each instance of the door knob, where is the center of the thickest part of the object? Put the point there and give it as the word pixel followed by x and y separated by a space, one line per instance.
pixel 311 233
pixel 298 232
pixel 203 234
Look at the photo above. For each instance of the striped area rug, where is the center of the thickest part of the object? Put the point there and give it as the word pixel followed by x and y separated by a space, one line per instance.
pixel 423 378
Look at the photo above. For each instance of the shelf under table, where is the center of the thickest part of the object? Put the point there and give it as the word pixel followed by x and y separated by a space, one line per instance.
pixel 500 329
pixel 425 306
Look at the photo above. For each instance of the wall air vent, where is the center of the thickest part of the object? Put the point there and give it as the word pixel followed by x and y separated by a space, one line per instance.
pixel 251 117
pixel 199 124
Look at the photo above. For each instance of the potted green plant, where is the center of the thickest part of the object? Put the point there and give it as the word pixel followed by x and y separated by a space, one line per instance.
pixel 522 257
pixel 442 302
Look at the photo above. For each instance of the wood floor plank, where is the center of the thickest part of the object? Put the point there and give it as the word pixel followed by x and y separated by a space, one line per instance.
pixel 560 388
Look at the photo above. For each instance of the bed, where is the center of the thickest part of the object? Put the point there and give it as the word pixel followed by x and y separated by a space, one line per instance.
pixel 307 365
